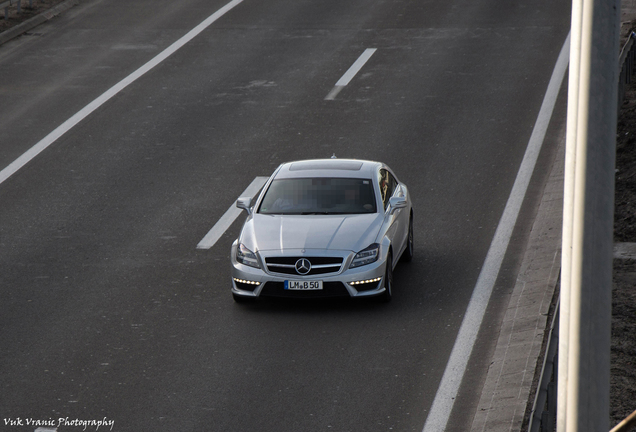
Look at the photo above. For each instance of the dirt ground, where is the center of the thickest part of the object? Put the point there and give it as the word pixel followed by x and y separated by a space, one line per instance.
pixel 623 352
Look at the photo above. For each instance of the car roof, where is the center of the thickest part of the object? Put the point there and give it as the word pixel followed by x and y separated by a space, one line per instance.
pixel 355 168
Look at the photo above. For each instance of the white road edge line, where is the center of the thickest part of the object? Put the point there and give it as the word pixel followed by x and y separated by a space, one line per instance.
pixel 353 70
pixel 230 215
pixel 439 414
pixel 30 154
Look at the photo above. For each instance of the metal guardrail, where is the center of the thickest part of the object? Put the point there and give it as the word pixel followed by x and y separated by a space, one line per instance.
pixel 5 5
pixel 543 414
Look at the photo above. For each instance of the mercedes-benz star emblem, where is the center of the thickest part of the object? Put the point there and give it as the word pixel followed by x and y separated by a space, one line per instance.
pixel 303 266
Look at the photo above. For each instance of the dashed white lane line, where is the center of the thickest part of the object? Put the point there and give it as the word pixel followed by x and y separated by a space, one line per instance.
pixel 353 70
pixel 230 215
pixel 38 148
pixel 439 414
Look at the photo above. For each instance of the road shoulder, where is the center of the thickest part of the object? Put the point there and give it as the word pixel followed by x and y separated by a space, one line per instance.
pixel 507 389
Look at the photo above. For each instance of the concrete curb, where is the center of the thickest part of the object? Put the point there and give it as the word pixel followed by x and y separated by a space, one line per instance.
pixel 31 23
pixel 506 392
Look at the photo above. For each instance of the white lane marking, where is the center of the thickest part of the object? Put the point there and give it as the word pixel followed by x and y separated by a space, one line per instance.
pixel 333 93
pixel 88 109
pixel 230 215
pixel 456 367
pixel 353 70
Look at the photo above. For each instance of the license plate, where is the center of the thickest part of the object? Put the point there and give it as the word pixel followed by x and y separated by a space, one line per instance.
pixel 303 285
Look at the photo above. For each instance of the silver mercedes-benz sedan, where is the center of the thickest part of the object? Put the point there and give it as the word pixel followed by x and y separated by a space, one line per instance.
pixel 323 228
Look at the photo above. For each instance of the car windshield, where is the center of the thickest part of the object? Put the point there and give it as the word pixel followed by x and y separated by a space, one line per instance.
pixel 319 196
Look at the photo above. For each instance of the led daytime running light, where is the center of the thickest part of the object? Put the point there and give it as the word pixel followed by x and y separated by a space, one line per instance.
pixel 246 281
pixel 365 281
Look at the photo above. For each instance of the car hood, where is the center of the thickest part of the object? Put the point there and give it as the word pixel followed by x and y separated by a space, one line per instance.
pixel 327 232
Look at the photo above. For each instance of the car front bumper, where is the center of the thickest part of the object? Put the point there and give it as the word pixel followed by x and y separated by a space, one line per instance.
pixel 363 281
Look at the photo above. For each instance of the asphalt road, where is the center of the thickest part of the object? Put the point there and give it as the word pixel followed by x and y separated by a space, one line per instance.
pixel 108 308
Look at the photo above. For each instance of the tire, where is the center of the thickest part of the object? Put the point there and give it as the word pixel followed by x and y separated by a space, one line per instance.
pixel 407 255
pixel 388 280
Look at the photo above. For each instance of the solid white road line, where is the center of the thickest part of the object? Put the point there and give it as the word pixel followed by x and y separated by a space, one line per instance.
pixel 353 70
pixel 456 367
pixel 230 215
pixel 88 109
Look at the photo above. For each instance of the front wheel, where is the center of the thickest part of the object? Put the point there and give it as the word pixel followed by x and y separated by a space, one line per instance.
pixel 388 280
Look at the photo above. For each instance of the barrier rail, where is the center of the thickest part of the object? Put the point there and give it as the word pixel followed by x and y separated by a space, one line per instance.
pixel 5 5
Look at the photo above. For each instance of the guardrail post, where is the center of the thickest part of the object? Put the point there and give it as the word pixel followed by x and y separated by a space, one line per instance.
pixel 19 5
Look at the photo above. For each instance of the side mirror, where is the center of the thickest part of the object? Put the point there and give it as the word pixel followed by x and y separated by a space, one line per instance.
pixel 397 202
pixel 245 203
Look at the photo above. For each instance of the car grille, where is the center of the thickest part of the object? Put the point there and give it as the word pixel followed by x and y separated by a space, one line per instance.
pixel 329 289
pixel 319 265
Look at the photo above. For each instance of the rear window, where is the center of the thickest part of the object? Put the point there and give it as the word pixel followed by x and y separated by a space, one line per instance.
pixel 319 196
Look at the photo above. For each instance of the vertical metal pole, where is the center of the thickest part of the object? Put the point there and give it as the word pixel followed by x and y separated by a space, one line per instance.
pixel 589 208
pixel 568 205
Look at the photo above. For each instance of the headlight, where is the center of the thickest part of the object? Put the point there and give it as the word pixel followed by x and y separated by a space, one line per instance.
pixel 366 256
pixel 246 256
